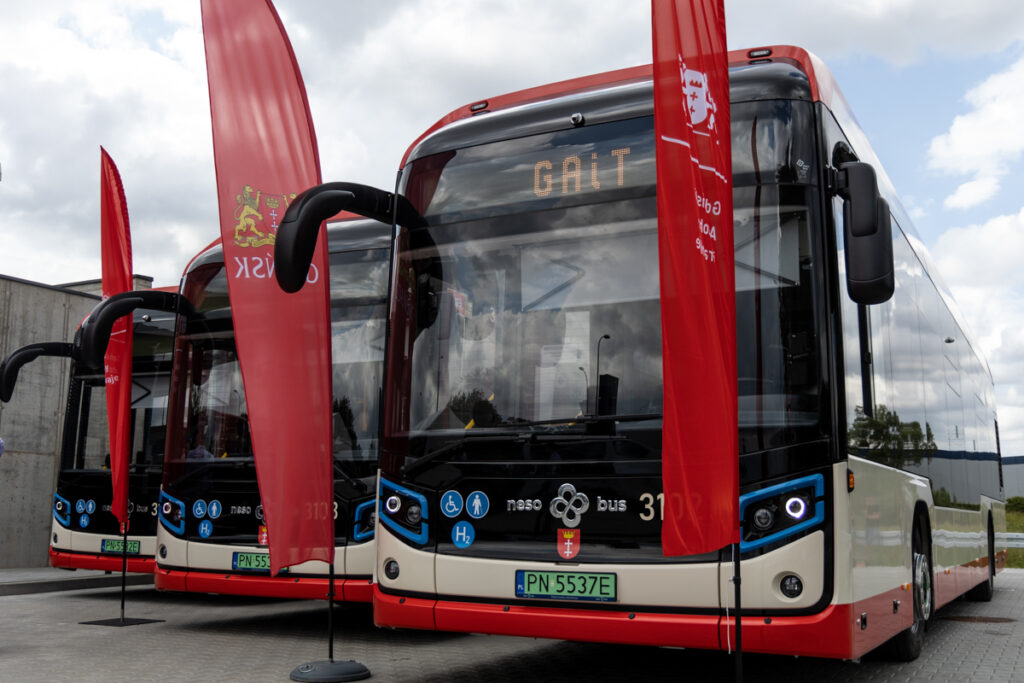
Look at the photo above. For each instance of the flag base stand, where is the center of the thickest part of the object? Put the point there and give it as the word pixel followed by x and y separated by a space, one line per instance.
pixel 120 622
pixel 330 671
pixel 327 672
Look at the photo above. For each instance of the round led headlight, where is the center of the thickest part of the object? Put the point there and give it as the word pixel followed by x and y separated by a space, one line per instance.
pixel 763 518
pixel 166 508
pixel 391 568
pixel 59 506
pixel 796 507
pixel 413 514
pixel 791 586
pixel 393 504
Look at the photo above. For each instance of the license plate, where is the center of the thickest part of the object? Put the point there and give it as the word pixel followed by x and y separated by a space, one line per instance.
pixel 252 562
pixel 565 585
pixel 116 545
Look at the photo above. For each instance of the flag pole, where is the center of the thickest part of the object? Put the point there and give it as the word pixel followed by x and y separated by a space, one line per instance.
pixel 330 612
pixel 329 671
pixel 124 564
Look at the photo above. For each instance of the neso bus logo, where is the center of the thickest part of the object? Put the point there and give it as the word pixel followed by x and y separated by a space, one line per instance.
pixel 569 505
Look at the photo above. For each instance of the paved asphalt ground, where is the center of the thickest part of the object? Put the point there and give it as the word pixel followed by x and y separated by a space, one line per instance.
pixel 220 638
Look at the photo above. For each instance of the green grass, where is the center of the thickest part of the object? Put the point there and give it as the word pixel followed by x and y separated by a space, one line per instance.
pixel 1015 524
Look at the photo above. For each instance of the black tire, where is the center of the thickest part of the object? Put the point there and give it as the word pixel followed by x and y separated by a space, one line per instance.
pixel 906 645
pixel 984 591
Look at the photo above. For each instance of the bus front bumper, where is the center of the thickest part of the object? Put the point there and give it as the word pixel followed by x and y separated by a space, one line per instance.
pixel 825 634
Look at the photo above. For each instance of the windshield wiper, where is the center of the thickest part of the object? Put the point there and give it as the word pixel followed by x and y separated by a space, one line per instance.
pixel 358 484
pixel 622 417
pixel 455 445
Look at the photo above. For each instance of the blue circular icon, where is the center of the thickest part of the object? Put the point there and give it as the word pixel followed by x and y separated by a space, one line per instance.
pixel 477 504
pixel 90 506
pixel 199 509
pixel 451 503
pixel 214 509
pixel 79 506
pixel 83 521
pixel 205 528
pixel 463 534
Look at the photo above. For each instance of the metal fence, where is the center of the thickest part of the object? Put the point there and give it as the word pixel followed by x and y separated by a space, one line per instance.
pixel 1014 540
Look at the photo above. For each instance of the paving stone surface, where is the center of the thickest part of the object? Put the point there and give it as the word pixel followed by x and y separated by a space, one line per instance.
pixel 221 638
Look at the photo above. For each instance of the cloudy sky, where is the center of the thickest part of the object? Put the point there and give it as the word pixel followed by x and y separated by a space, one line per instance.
pixel 938 85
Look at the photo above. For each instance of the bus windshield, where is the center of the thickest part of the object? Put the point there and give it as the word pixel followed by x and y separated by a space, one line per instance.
pixel 536 294
pixel 216 419
pixel 86 436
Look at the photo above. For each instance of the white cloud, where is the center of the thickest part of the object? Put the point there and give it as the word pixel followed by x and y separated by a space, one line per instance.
pixel 984 142
pixel 899 31
pixel 972 193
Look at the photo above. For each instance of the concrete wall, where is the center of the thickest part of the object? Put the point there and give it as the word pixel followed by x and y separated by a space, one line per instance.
pixel 31 423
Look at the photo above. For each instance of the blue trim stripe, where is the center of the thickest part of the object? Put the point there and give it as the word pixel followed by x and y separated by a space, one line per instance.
pixel 358 517
pixel 66 519
pixel 815 481
pixel 178 528
pixel 388 487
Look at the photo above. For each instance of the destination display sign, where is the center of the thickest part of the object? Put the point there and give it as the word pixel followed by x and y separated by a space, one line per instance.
pixel 554 169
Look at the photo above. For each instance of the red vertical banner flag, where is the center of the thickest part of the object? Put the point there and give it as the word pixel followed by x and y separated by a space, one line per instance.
pixel 265 152
pixel 700 442
pixel 116 259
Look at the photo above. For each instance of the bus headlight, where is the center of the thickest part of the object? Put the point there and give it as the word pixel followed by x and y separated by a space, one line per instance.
pixel 413 514
pixel 763 518
pixel 172 514
pixel 791 586
pixel 796 507
pixel 403 511
pixel 391 569
pixel 761 511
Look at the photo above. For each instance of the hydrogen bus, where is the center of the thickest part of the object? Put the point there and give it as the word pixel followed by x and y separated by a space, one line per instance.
pixel 520 473
pixel 85 534
pixel 212 536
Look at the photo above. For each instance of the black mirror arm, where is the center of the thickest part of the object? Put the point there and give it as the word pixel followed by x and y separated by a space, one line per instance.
pixel 26 354
pixel 97 327
pixel 297 233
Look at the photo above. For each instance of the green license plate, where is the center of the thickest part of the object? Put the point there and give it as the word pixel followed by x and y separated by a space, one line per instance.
pixel 565 585
pixel 251 562
pixel 116 545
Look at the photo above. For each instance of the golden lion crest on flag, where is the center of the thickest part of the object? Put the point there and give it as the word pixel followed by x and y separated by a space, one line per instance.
pixel 251 228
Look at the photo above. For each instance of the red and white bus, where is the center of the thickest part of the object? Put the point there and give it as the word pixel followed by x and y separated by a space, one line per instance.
pixel 211 535
pixel 520 473
pixel 85 534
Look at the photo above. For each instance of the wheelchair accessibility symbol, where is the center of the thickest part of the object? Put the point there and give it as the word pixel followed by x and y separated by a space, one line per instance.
pixel 451 503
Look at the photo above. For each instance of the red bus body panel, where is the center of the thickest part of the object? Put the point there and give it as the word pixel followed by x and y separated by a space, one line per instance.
pixel 107 563
pixel 299 588
pixel 826 634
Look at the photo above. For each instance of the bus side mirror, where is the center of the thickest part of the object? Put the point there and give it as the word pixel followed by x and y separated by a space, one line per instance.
pixel 97 327
pixel 867 235
pixel 296 236
pixel 26 354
